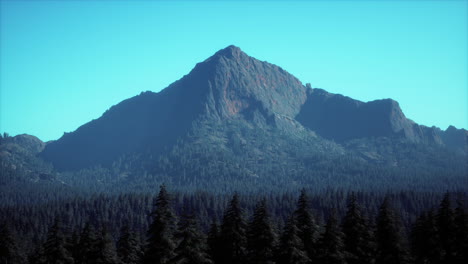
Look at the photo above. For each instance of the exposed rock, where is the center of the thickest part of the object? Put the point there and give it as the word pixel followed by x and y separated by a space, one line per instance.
pixel 230 85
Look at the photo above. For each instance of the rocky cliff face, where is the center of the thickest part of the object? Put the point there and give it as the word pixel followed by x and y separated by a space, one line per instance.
pixel 341 118
pixel 230 85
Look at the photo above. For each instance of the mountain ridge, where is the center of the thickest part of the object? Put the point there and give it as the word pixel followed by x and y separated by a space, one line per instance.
pixel 230 85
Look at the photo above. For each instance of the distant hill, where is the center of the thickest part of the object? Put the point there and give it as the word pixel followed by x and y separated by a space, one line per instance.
pixel 234 120
pixel 19 160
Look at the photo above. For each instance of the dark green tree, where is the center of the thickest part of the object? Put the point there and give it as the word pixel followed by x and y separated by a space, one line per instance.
pixel 88 246
pixel 55 247
pixel 9 250
pixel 160 244
pixel 461 238
pixel 233 239
pixel 128 247
pixel 192 248
pixel 262 237
pixel 332 249
pixel 214 242
pixel 107 253
pixel 358 236
pixel 73 245
pixel 291 250
pixel 424 244
pixel 391 246
pixel 446 231
pixel 37 257
pixel 308 229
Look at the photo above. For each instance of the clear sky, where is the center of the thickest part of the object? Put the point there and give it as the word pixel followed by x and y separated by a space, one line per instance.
pixel 63 63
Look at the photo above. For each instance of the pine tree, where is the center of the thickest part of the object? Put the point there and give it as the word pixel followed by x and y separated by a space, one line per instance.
pixel 291 250
pixel 37 257
pixel 107 253
pixel 391 247
pixel 233 240
pixel 446 231
pixel 160 244
pixel 461 238
pixel 88 246
pixel 262 237
pixel 192 248
pixel 358 237
pixel 73 245
pixel 214 245
pixel 128 247
pixel 308 229
pixel 424 239
pixel 331 243
pixel 9 250
pixel 55 247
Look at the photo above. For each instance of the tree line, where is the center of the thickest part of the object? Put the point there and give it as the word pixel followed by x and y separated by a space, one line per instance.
pixel 437 236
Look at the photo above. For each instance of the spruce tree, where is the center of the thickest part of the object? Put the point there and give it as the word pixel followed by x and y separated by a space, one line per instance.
pixel 291 250
pixel 192 248
pixel 424 240
pixel 9 250
pixel 308 229
pixel 461 238
pixel 262 237
pixel 73 245
pixel 128 247
pixel 160 244
pixel 391 247
pixel 37 257
pixel 331 243
pixel 358 236
pixel 233 240
pixel 106 249
pixel 446 231
pixel 214 245
pixel 55 247
pixel 88 246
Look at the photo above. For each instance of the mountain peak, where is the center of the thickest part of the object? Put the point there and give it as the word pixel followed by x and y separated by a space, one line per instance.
pixel 230 51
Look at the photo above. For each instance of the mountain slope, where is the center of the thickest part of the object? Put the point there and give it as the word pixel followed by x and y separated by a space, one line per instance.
pixel 19 161
pixel 238 116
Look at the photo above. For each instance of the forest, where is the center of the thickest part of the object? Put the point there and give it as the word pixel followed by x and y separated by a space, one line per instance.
pixel 296 227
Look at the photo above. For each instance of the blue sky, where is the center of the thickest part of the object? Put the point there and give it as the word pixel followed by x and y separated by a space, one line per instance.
pixel 63 64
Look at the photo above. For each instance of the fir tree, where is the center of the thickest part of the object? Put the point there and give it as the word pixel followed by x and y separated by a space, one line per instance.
pixel 291 250
pixel 358 238
pixel 73 245
pixel 446 231
pixel 262 238
pixel 192 248
pixel 128 247
pixel 214 245
pixel 308 229
pixel 233 238
pixel 461 238
pixel 331 243
pixel 9 250
pixel 424 239
pixel 160 244
pixel 391 248
pixel 106 249
pixel 55 247
pixel 37 257
pixel 88 246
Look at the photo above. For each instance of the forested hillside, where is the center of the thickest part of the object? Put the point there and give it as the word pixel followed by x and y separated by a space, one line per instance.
pixel 333 227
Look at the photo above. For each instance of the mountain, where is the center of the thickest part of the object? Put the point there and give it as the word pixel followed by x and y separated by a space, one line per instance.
pixel 19 161
pixel 254 116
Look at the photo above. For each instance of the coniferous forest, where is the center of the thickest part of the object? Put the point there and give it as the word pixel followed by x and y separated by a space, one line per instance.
pixel 173 227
